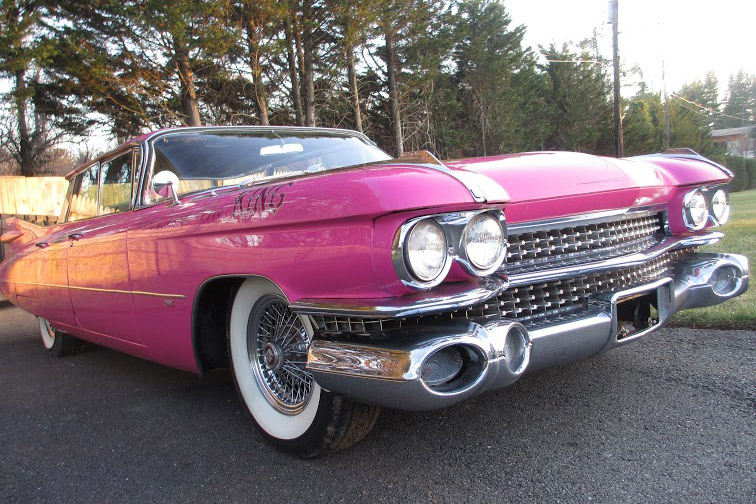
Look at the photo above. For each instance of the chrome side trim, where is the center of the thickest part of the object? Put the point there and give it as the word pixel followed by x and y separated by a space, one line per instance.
pixel 447 297
pixel 109 291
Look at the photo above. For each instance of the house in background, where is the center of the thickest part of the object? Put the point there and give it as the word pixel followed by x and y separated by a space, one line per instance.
pixel 740 141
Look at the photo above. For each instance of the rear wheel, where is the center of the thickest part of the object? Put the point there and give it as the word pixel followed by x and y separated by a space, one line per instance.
pixel 268 345
pixel 57 343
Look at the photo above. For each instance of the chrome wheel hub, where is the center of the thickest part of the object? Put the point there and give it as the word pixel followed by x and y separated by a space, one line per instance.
pixel 50 329
pixel 273 355
pixel 277 344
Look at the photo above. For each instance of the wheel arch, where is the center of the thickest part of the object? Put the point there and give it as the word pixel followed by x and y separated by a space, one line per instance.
pixel 211 315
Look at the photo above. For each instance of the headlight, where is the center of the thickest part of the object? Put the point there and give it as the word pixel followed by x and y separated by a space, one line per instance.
pixel 720 206
pixel 484 241
pixel 695 212
pixel 426 250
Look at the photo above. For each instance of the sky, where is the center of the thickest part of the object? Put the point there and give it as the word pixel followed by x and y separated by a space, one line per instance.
pixel 685 37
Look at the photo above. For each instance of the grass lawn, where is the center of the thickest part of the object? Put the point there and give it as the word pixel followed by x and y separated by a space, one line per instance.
pixel 738 313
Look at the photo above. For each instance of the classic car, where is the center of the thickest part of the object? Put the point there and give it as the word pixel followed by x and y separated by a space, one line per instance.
pixel 334 280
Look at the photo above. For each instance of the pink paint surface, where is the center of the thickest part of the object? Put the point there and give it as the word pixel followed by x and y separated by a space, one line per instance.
pixel 326 235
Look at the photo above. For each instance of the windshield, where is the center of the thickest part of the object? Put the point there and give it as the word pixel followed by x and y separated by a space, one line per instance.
pixel 206 160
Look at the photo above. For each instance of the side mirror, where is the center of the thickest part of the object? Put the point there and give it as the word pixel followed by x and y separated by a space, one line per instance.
pixel 166 183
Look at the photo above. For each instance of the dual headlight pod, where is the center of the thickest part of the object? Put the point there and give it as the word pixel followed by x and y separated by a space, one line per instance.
pixel 425 248
pixel 703 205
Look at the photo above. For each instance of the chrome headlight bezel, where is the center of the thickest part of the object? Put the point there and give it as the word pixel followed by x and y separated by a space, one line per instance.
pixel 470 264
pixel 429 228
pixel 689 199
pixel 725 215
pixel 453 225
pixel 401 260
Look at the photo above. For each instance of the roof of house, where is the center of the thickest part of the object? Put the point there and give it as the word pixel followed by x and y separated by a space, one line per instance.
pixel 744 130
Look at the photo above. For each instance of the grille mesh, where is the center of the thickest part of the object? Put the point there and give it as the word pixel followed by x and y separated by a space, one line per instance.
pixel 551 298
pixel 530 303
pixel 580 244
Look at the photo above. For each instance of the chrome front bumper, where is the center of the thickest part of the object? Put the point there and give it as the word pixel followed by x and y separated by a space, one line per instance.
pixel 388 370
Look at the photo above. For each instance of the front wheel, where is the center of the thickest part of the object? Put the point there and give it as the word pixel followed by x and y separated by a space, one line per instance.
pixel 268 345
pixel 57 343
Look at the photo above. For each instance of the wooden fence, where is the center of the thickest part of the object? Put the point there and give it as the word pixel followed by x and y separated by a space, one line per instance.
pixel 32 195
pixel 36 199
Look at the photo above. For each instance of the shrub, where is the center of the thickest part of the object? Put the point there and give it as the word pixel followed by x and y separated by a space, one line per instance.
pixel 744 171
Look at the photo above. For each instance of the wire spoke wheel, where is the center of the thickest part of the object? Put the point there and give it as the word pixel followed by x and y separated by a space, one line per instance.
pixel 277 344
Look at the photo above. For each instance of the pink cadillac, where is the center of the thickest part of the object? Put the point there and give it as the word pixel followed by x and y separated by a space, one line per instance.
pixel 334 280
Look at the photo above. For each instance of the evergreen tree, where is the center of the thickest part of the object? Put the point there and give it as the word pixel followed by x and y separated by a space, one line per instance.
pixel 643 124
pixel 581 108
pixel 39 113
pixel 740 106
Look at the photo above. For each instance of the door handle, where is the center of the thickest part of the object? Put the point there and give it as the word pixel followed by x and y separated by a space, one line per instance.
pixel 42 245
pixel 75 236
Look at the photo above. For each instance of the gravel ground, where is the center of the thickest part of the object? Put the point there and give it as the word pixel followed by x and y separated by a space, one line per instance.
pixel 668 419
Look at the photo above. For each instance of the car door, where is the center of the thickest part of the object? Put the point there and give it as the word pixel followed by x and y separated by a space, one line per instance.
pixel 52 254
pixel 98 266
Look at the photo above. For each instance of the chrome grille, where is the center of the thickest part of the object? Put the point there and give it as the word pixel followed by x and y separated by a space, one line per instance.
pixel 530 303
pixel 580 244
pixel 566 295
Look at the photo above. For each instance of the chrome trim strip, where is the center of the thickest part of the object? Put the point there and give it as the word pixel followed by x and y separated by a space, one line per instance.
pixel 452 296
pixel 447 297
pixel 667 244
pixel 583 219
pixel 111 291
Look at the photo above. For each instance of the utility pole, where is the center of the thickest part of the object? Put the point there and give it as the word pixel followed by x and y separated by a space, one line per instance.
pixel 619 147
pixel 667 126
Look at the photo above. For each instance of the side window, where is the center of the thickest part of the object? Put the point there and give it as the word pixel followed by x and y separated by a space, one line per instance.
pixel 185 185
pixel 83 203
pixel 117 183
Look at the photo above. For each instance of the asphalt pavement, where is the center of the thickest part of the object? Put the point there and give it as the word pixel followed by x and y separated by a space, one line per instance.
pixel 668 419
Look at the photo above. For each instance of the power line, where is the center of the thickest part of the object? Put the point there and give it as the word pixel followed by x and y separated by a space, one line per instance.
pixel 594 62
pixel 713 111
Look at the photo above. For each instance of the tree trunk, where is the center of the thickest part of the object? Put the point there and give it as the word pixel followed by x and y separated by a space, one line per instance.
pixel 309 83
pixel 300 57
pixel 355 89
pixel 25 155
pixel 188 93
pixel 261 96
pixel 393 93
pixel 296 95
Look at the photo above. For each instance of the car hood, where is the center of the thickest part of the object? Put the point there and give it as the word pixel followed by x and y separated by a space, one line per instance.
pixel 549 184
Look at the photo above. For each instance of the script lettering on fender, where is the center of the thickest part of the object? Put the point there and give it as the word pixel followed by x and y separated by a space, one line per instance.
pixel 260 202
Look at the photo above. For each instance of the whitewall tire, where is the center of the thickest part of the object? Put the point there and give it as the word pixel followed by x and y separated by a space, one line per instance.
pixel 268 353
pixel 57 343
